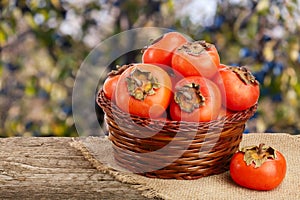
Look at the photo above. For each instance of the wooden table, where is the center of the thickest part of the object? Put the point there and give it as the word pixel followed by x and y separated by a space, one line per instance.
pixel 49 168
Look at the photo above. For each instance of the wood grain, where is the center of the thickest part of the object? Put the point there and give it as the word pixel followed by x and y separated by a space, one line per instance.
pixel 49 168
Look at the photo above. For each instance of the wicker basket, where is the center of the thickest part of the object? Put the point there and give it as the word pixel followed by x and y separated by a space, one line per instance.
pixel 172 149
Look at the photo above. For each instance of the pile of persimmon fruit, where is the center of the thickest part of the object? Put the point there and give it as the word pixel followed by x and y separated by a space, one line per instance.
pixel 181 80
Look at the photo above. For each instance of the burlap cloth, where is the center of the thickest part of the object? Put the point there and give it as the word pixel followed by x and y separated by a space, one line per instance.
pixel 98 151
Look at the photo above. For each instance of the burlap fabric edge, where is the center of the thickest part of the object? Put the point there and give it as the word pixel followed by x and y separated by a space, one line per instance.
pixel 123 177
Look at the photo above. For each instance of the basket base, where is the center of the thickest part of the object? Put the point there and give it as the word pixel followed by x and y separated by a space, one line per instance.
pixel 188 166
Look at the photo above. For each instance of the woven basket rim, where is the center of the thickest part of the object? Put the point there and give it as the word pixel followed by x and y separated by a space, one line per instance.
pixel 236 117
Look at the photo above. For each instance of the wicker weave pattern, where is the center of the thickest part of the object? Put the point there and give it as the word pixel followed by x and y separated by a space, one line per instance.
pixel 186 150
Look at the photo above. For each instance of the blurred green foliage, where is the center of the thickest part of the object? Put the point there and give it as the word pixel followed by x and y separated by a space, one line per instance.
pixel 43 43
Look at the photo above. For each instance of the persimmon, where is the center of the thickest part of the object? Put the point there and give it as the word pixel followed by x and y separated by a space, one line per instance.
pixel 258 167
pixel 144 90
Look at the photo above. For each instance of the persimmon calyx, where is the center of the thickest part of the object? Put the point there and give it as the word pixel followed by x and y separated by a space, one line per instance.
pixel 141 83
pixel 258 154
pixel 195 48
pixel 245 75
pixel 189 97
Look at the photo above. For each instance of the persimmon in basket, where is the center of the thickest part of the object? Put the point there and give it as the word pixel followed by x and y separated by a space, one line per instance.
pixel 144 90
pixel 239 88
pixel 196 99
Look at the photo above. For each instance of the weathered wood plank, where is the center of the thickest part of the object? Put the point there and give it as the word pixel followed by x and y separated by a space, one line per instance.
pixel 49 168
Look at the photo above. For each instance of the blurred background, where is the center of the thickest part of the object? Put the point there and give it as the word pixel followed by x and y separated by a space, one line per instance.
pixel 44 42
